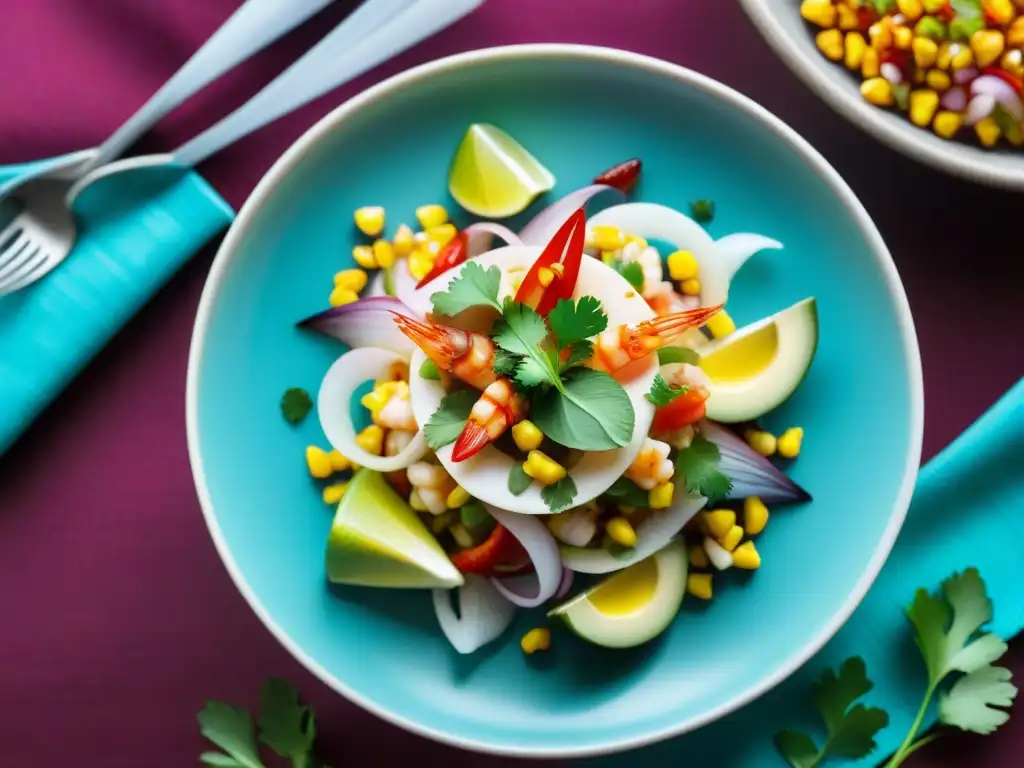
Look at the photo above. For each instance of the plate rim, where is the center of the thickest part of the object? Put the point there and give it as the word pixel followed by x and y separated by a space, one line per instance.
pixel 629 60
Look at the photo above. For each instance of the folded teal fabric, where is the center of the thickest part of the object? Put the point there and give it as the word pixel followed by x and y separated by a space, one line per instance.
pixel 968 510
pixel 136 229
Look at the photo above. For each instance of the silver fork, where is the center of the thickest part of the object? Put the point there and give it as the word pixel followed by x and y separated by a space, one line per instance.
pixel 41 234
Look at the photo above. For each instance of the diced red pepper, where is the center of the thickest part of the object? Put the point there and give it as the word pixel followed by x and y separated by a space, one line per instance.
pixel 454 253
pixel 685 410
pixel 897 57
pixel 866 16
pixel 482 558
pixel 1012 80
pixel 566 247
pixel 946 14
pixel 622 176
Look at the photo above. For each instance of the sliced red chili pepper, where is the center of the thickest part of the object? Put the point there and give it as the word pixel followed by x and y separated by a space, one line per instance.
pixel 566 248
pixel 685 410
pixel 1010 79
pixel 454 253
pixel 483 557
pixel 622 176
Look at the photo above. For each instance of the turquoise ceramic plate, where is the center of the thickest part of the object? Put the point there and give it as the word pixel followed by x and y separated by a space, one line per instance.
pixel 580 110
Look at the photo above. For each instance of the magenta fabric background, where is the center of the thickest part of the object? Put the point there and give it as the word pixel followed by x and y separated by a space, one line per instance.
pixel 118 618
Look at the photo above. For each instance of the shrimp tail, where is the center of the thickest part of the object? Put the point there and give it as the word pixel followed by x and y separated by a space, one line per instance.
pixel 429 337
pixel 473 439
pixel 668 326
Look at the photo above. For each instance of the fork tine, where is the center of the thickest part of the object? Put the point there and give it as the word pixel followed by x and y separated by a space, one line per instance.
pixel 14 256
pixel 29 270
pixel 9 234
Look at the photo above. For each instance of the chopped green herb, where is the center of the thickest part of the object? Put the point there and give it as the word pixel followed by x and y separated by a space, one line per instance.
pixel 967 9
pixel 625 493
pixel 970 703
pixel 698 464
pixel 962 28
pixel 518 480
pixel 572 323
pixel 429 371
pixel 632 271
pixel 521 331
pixel 474 286
pixel 662 393
pixel 295 405
pixel 474 515
pixel 448 421
pixel 592 412
pixel 579 352
pixel 901 94
pixel 559 496
pixel 505 363
pixel 703 211
pixel 1011 128
pixel 230 728
pixel 670 355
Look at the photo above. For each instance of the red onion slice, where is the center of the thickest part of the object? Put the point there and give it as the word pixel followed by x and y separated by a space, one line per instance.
pixel 543 226
pixel 566 585
pixel 481 236
pixel 364 323
pixel 751 473
pixel 979 108
pixel 955 99
pixel 532 589
pixel 1002 92
pixel 483 614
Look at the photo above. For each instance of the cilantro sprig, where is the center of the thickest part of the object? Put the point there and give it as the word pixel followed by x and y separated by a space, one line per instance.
pixel 698 465
pixel 474 286
pixel 447 422
pixel 295 405
pixel 662 393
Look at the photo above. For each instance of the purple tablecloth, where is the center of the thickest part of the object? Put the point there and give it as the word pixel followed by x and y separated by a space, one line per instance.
pixel 118 618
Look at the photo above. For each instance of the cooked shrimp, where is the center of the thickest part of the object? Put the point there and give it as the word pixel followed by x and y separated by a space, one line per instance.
pixel 468 355
pixel 498 408
pixel 616 348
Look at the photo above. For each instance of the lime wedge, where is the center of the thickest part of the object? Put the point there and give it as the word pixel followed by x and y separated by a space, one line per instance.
pixel 492 175
pixel 377 540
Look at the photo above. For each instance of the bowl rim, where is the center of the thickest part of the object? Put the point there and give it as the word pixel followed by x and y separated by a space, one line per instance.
pixel 879 123
pixel 629 60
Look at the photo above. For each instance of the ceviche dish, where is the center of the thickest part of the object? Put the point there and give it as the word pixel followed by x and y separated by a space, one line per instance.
pixel 562 419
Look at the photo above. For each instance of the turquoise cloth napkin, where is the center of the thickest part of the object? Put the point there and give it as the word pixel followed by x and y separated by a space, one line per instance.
pixel 136 229
pixel 968 510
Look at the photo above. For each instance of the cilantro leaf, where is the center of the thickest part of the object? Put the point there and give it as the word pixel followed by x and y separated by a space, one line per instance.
pixel 968 9
pixel 882 7
pixel 850 729
pixel 625 493
pixel 518 480
pixel 448 421
pixel 662 393
pixel 698 465
pixel 286 726
pixel 522 331
pixel 703 211
pixel 230 728
pixel 429 371
pixel 295 405
pixel 474 286
pixel 576 322
pixel 532 373
pixel 559 496
pixel 579 352
pixel 632 271
pixel 670 355
pixel 970 703
pixel 592 412
pixel 505 363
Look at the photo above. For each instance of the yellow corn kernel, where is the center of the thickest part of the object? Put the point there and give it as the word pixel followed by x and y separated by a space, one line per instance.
pixel 318 462
pixel 641 241
pixel 934 6
pixel 1000 11
pixel 1015 35
pixel 545 276
pixel 755 515
pixel 1013 61
pixel 383 253
pixel 660 496
pixel 608 257
pixel 333 493
pixel 457 497
pixel 912 9
pixel 720 324
pixel 378 397
pixel 699 585
pixel 342 296
pixel 925 50
pixel 871 65
pixel 789 442
pixel 371 440
pixel 621 532
pixel 682 265
pixel 403 241
pixel 881 35
pixel 527 435
pixel 698 557
pixel 416 502
pixel 902 38
pixel 558 268
pixel 338 462
pixel 947 124
pixel 690 287
pixel 988 45
pixel 442 233
pixel 923 105
pixel 762 442
pixel 746 557
pixel 543 468
pixel 431 216
pixel 720 521
pixel 732 538
pixel 847 18
pixel 607 238
pixel 877 91
pixel 938 80
pixel 944 58
pixel 370 220
pixel 536 640
pixel 820 12
pixel 353 279
pixel 363 256
pixel 988 131
pixel 856 45
pixel 830 43
pixel 420 264
pixel 963 57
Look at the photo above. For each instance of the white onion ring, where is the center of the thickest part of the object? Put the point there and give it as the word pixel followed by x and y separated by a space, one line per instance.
pixel 480 236
pixel 531 589
pixel 542 227
pixel 334 403
pixel 483 614
pixel 1003 93
pixel 566 585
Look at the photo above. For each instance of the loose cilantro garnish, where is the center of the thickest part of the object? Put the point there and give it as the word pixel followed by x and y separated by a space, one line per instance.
pixel 698 464
pixel 295 405
pixel 522 332
pixel 670 355
pixel 573 322
pixel 429 371
pixel 625 493
pixel 474 286
pixel 579 352
pixel 632 271
pixel 703 211
pixel 448 421
pixel 559 496
pixel 518 480
pixel 590 411
pixel 662 393
pixel 285 725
